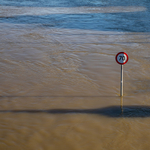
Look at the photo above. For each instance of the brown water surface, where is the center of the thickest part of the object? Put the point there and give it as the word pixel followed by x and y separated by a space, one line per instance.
pixel 59 89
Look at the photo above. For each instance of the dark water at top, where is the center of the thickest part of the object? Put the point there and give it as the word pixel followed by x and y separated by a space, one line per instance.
pixel 136 21
pixel 74 3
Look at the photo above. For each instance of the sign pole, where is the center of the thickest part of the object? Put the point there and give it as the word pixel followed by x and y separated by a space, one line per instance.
pixel 121 84
pixel 121 58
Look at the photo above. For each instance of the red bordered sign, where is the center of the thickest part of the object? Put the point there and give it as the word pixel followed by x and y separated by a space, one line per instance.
pixel 122 58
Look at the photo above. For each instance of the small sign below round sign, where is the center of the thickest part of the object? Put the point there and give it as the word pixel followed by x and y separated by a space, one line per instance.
pixel 122 58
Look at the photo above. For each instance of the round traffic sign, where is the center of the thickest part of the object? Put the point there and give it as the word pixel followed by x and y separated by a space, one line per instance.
pixel 122 58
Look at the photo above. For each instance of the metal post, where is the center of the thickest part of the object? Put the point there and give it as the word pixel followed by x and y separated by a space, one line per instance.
pixel 121 84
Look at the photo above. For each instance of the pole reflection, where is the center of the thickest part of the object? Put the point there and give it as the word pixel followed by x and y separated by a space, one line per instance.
pixel 121 104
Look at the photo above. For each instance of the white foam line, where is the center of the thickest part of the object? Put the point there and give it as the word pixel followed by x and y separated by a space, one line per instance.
pixel 8 11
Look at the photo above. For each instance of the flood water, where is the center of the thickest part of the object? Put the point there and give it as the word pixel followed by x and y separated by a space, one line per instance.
pixel 59 81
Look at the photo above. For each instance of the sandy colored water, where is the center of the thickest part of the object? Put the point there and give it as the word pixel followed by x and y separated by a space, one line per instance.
pixel 60 89
pixel 60 83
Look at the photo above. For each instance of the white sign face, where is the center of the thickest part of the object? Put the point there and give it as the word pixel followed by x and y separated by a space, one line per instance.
pixel 122 58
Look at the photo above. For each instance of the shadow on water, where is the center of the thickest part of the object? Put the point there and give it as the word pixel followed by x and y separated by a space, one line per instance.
pixel 112 111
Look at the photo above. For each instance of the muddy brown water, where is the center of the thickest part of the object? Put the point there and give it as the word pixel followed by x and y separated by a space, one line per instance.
pixel 59 89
